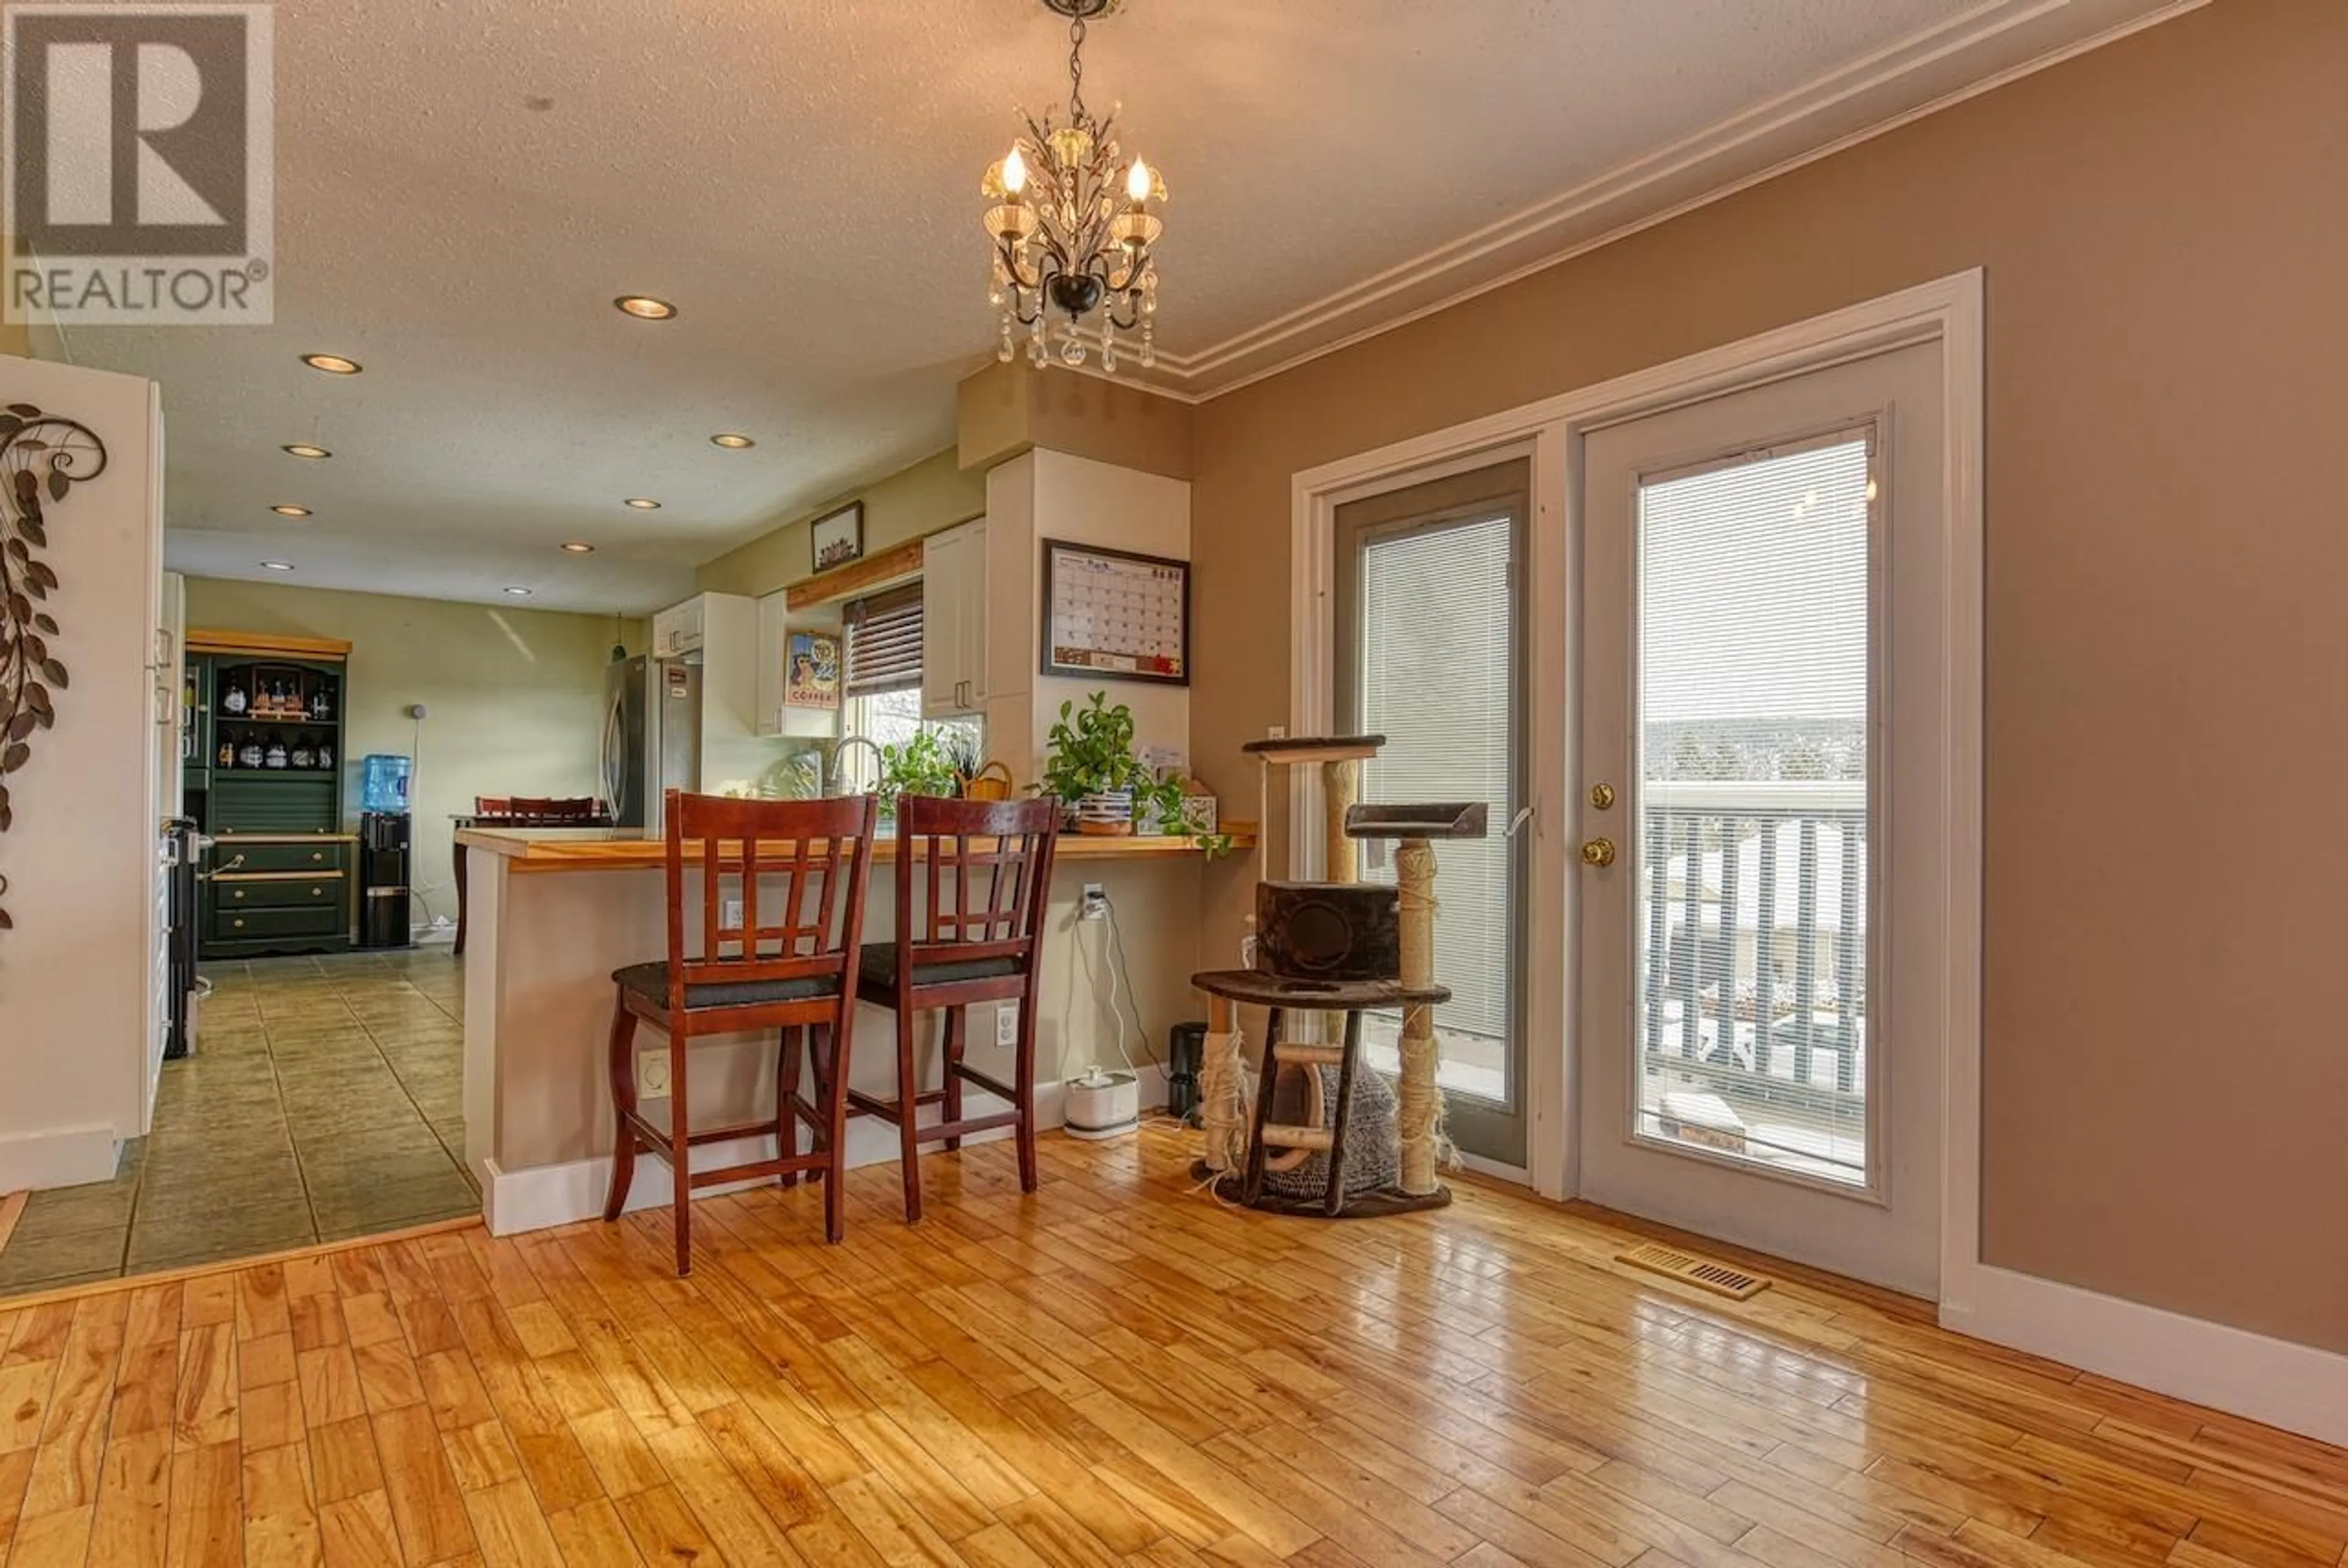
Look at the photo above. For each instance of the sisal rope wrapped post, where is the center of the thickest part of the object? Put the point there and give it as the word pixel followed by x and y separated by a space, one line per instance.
pixel 1420 1114
pixel 1341 786
pixel 1222 1097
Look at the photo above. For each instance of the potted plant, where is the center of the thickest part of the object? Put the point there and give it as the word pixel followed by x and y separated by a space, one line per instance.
pixel 919 765
pixel 1092 767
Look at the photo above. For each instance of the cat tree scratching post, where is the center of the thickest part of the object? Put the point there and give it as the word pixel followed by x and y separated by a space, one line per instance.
pixel 1221 1101
pixel 1419 1111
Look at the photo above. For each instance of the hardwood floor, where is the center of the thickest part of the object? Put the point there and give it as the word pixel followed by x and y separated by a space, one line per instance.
pixel 1114 1372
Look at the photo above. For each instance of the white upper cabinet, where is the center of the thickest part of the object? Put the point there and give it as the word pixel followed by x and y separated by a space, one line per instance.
pixel 954 621
pixel 680 629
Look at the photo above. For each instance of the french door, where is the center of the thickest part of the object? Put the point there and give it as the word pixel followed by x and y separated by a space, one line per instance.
pixel 1431 641
pixel 1756 1049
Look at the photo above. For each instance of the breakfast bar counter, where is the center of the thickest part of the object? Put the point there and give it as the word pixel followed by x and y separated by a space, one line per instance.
pixel 545 937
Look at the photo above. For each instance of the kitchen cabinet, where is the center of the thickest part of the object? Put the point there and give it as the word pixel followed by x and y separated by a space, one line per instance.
pixel 777 717
pixel 681 628
pixel 954 621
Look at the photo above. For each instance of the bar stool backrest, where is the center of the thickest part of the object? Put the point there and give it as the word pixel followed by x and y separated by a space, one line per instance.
pixel 807 928
pixel 973 879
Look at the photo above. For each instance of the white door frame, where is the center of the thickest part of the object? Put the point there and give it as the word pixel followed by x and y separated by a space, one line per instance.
pixel 1948 312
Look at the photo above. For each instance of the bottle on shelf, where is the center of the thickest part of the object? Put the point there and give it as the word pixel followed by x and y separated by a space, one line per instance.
pixel 295 707
pixel 275 756
pixel 226 756
pixel 306 756
pixel 248 752
pixel 325 756
pixel 234 702
pixel 322 705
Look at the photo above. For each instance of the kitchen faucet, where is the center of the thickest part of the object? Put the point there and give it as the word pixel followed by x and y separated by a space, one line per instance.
pixel 838 771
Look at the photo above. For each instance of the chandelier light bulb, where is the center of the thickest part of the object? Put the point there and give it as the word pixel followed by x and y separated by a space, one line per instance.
pixel 1014 172
pixel 1137 181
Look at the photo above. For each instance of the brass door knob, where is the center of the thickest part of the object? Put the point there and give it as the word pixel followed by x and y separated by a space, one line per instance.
pixel 1598 852
pixel 1602 795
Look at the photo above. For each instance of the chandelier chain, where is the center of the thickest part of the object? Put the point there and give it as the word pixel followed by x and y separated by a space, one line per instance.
pixel 1076 69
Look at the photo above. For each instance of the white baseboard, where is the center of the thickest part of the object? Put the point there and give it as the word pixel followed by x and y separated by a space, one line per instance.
pixel 64 1158
pixel 2294 1387
pixel 544 1195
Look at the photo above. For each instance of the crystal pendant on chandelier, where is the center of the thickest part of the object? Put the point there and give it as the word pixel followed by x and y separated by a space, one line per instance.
pixel 1072 222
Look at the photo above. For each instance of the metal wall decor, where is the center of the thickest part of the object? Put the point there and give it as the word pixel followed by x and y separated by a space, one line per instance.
pixel 42 456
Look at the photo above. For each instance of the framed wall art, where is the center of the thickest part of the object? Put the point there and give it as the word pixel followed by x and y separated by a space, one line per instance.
pixel 838 538
pixel 1115 615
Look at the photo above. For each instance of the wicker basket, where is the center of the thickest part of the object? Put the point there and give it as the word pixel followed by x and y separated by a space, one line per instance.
pixel 991 782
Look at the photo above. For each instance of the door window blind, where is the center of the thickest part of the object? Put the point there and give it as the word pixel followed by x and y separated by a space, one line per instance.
pixel 1752 710
pixel 884 641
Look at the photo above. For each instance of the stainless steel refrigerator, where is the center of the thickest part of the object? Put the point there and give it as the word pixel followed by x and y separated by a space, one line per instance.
pixel 651 736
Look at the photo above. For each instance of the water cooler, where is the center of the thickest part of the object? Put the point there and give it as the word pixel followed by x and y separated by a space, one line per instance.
pixel 383 880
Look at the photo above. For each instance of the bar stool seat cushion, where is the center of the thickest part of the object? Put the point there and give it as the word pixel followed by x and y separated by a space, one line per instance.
pixel 877 970
pixel 651 982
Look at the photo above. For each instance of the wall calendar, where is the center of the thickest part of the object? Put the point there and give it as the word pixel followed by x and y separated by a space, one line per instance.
pixel 1115 615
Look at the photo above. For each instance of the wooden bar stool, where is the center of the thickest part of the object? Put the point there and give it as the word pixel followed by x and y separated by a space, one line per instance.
pixel 979 950
pixel 794 972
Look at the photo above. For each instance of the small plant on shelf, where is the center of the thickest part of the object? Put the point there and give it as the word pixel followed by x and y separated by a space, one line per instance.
pixel 918 765
pixel 1094 771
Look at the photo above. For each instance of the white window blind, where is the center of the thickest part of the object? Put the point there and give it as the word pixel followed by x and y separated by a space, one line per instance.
pixel 1754 609
pixel 884 641
pixel 1435 643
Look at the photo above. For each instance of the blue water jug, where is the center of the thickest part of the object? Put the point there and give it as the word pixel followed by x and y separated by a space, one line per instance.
pixel 384 782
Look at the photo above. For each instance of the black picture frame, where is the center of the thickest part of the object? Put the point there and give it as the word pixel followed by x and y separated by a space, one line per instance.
pixel 1050 662
pixel 846 527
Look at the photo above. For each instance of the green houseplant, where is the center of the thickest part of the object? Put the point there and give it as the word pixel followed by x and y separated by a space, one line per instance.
pixel 918 765
pixel 1093 769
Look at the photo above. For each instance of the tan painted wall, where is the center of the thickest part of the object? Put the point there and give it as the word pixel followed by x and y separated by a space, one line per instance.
pixel 514 698
pixel 1006 409
pixel 932 494
pixel 2164 224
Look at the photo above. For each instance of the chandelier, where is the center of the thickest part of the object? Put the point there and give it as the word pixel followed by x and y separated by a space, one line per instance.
pixel 1072 228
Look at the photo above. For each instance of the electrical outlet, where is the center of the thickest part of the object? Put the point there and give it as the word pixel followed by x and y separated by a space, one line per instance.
pixel 1094 904
pixel 652 1074
pixel 1006 1026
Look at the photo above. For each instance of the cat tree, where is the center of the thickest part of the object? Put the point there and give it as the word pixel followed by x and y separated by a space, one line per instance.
pixel 1393 971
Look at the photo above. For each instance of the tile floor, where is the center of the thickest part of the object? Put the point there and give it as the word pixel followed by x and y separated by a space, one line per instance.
pixel 324 1100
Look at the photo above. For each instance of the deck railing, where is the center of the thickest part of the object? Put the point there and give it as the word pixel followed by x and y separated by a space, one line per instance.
pixel 1754 897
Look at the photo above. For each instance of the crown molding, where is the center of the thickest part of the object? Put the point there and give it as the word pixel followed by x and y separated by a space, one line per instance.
pixel 1979 51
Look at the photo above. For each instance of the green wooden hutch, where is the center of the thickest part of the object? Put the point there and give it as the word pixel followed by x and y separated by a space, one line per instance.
pixel 264 765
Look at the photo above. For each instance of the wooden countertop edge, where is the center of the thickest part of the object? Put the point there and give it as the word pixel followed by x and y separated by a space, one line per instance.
pixel 542 856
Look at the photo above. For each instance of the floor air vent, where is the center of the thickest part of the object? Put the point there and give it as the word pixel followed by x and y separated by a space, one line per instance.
pixel 1700 1272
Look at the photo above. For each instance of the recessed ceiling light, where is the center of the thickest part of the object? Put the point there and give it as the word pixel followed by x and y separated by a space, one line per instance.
pixel 519 592
pixel 277 566
pixel 291 511
pixel 644 308
pixel 643 503
pixel 577 548
pixel 731 442
pixel 331 363
pixel 301 449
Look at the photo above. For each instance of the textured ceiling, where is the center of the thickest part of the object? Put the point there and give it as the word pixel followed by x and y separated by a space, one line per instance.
pixel 800 177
